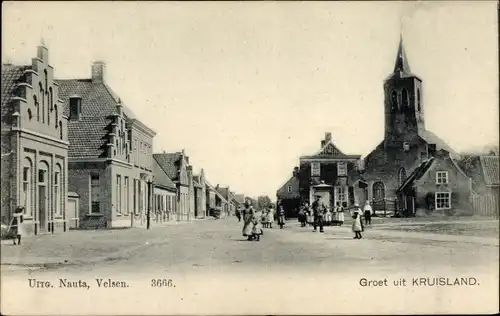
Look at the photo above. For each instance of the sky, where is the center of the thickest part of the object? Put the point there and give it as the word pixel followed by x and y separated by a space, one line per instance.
pixel 246 88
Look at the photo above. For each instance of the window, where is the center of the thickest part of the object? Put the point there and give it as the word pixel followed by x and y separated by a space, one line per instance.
pixel 135 196
pixel 95 194
pixel 35 102
pixel 118 194
pixel 29 114
pixel 74 108
pixel 42 176
pixel 394 100
pixel 340 196
pixel 56 114
pixel 404 97
pixel 42 96
pixel 57 191
pixel 50 107
pixel 60 130
pixel 342 168
pixel 406 146
pixel 443 200
pixel 418 100
pixel 442 177
pixel 402 175
pixel 315 169
pixel 27 191
pixel 289 189
pixel 127 206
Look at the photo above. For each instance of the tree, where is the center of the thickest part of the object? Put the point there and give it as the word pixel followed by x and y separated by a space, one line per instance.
pixel 263 201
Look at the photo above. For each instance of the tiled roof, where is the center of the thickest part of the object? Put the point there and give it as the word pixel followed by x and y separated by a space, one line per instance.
pixel 88 137
pixel 416 174
pixel 490 169
pixel 11 76
pixel 161 178
pixel 432 138
pixel 169 163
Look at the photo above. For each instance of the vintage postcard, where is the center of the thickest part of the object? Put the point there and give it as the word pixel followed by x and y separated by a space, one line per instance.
pixel 249 158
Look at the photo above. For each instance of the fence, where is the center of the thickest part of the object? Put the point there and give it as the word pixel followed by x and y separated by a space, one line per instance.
pixel 384 207
pixel 485 205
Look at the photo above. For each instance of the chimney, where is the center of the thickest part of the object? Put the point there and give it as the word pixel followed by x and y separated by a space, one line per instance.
pixel 43 52
pixel 328 137
pixel 295 171
pixel 98 72
pixel 431 150
pixel 323 143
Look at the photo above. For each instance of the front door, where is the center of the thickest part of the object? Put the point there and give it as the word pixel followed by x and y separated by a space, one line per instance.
pixel 71 214
pixel 42 208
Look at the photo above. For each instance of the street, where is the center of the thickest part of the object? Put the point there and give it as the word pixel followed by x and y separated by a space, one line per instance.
pixel 211 259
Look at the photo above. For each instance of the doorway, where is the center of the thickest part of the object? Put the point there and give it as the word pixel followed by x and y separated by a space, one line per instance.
pixel 42 208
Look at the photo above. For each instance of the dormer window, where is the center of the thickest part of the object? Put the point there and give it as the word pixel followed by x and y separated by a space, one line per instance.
pixel 342 168
pixel 75 108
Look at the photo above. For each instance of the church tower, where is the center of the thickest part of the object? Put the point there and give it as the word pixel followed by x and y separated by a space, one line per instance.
pixel 404 115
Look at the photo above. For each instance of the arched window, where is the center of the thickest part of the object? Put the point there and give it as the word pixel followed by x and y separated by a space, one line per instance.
pixel 60 130
pixel 57 190
pixel 51 99
pixel 394 100
pixel 401 176
pixel 35 101
pixel 46 79
pixel 56 114
pixel 42 96
pixel 27 187
pixel 378 191
pixel 418 100
pixel 30 115
pixel 404 98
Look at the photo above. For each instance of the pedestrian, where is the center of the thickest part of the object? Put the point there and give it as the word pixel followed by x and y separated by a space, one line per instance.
pixel 339 217
pixel 368 213
pixel 257 230
pixel 238 213
pixel 303 215
pixel 328 217
pixel 356 225
pixel 357 210
pixel 270 217
pixel 18 225
pixel 281 216
pixel 263 218
pixel 248 216
pixel 318 214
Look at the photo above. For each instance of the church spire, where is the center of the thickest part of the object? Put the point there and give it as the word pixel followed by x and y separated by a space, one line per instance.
pixel 401 60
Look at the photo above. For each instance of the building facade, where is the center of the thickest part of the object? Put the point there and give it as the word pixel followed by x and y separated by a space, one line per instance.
pixel 406 141
pixel 200 195
pixel 34 146
pixel 165 195
pixel 176 166
pixel 329 173
pixel 110 154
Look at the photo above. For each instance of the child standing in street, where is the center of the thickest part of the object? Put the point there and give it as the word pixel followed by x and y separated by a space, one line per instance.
pixel 356 225
pixel 257 230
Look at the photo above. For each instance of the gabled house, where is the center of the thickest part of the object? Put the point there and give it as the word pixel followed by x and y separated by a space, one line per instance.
pixel 110 154
pixel 165 196
pixel 329 173
pixel 34 147
pixel 216 201
pixel 288 194
pixel 228 207
pixel 438 184
pixel 200 195
pixel 176 166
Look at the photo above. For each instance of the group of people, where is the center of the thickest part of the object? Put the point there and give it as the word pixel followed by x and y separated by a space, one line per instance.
pixel 318 215
pixel 255 220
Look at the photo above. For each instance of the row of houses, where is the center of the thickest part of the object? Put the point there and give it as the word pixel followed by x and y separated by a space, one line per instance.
pixel 75 156
pixel 410 169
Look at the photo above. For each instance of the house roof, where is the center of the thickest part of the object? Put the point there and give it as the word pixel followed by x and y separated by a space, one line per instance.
pixel 169 163
pixel 88 136
pixel 416 174
pixel 161 178
pixel 11 76
pixel 432 138
pixel 490 169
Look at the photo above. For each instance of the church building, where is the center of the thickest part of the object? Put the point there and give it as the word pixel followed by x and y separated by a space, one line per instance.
pixel 406 141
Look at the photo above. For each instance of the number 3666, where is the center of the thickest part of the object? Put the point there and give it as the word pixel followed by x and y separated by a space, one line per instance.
pixel 161 283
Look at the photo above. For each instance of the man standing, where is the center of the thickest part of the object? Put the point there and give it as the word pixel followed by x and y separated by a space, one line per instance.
pixel 318 214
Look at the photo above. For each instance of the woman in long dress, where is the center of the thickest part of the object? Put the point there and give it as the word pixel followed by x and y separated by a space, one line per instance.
pixel 248 217
pixel 18 225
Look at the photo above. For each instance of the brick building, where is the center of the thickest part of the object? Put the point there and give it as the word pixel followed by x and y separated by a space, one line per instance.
pixel 437 184
pixel 110 154
pixel 329 173
pixel 406 141
pixel 176 166
pixel 288 194
pixel 200 195
pixel 34 146
pixel 165 196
